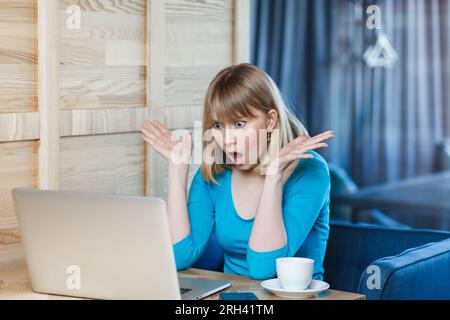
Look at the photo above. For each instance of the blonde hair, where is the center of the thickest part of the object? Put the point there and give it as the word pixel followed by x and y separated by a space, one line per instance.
pixel 232 94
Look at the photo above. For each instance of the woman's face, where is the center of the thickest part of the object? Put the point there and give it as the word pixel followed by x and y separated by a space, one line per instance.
pixel 244 140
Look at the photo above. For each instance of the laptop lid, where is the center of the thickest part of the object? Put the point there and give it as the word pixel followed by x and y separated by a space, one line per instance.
pixel 97 246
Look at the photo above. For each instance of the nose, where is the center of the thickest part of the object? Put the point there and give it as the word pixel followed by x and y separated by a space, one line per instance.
pixel 229 138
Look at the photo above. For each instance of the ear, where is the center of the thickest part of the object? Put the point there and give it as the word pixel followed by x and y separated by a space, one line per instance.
pixel 272 119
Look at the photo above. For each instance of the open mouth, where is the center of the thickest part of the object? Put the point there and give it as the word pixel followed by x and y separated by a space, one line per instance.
pixel 236 157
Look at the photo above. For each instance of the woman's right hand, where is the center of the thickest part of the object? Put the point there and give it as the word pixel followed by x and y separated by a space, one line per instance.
pixel 157 135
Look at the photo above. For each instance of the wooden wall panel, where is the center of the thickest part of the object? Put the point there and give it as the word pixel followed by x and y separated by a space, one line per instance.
pixel 198 44
pixel 17 169
pixel 19 119
pixel 103 63
pixel 18 56
pixel 102 87
pixel 19 126
pixel 111 164
pixel 101 121
pixel 103 74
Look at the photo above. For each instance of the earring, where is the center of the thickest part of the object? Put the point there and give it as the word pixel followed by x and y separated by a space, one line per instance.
pixel 269 134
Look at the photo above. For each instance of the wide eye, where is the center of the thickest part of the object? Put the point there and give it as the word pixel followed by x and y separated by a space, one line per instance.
pixel 239 124
pixel 217 125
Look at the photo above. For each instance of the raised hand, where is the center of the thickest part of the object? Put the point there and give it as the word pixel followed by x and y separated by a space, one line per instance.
pixel 160 138
pixel 297 149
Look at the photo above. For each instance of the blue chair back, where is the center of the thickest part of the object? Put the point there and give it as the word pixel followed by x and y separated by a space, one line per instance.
pixel 353 247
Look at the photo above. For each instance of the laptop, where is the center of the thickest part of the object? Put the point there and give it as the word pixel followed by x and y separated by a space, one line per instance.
pixel 99 246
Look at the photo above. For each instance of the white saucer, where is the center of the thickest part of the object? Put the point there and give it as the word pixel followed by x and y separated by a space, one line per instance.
pixel 315 287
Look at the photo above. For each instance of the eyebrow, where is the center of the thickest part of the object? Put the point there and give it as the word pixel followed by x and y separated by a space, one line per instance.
pixel 240 119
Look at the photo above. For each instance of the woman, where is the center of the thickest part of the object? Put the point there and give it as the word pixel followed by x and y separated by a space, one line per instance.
pixel 271 207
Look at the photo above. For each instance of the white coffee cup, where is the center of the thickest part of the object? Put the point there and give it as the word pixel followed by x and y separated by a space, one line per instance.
pixel 294 273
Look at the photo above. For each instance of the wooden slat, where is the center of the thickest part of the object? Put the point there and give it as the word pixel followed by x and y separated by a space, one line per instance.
pixel 18 103
pixel 183 117
pixel 103 121
pixel 48 167
pixel 18 81
pixel 19 126
pixel 241 33
pixel 186 85
pixel 17 169
pixel 106 87
pixel 127 7
pixel 11 252
pixel 18 56
pixel 112 164
pixel 199 33
pixel 18 11
pixel 106 26
pixel 156 26
pixel 124 53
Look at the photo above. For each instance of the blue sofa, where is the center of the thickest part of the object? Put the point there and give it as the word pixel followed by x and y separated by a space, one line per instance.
pixel 381 263
pixel 413 264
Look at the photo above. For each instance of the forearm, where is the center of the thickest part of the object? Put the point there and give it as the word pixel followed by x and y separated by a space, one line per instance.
pixel 268 232
pixel 177 202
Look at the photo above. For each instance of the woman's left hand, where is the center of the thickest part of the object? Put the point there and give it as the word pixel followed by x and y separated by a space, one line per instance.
pixel 297 149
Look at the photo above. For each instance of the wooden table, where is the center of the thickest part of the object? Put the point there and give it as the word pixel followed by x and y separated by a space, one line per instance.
pixel 15 282
pixel 426 198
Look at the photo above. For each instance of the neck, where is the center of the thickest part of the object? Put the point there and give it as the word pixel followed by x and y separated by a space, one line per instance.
pixel 244 173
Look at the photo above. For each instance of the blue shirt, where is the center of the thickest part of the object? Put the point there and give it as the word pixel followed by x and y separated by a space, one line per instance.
pixel 305 206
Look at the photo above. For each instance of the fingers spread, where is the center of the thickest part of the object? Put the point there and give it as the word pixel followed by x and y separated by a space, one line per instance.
pixel 160 127
pixel 301 139
pixel 146 139
pixel 321 137
pixel 147 130
pixel 148 133
pixel 151 126
pixel 317 139
pixel 158 130
pixel 307 148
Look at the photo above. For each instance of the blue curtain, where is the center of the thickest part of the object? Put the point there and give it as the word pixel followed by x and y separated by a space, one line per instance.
pixel 387 121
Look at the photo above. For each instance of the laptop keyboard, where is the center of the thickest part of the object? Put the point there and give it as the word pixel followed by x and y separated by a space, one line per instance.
pixel 184 290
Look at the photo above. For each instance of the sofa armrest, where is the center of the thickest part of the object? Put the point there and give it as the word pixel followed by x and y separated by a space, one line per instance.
pixel 418 273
